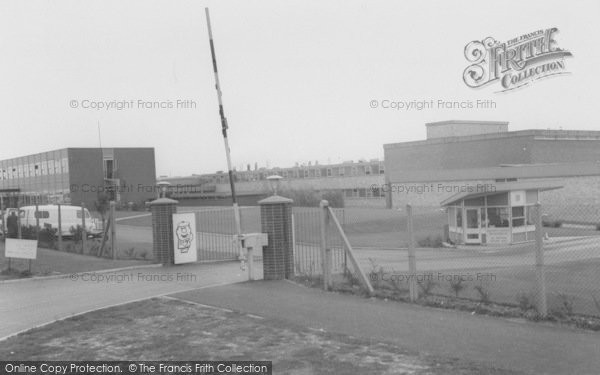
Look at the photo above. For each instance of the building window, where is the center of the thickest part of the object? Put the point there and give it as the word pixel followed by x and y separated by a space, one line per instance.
pixel 518 216
pixel 65 165
pixel 42 214
pixel 498 217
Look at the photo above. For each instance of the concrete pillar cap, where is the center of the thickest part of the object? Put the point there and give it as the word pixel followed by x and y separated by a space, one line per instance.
pixel 275 199
pixel 163 201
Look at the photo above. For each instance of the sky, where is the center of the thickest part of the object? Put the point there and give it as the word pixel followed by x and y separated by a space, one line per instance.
pixel 299 78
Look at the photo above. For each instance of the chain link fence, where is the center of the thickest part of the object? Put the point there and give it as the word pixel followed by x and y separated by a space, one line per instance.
pixel 544 260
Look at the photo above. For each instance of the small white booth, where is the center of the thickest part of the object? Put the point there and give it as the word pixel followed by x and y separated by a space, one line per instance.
pixel 497 216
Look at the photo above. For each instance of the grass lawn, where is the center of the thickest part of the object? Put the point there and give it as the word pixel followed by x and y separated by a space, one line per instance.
pixel 52 262
pixel 166 329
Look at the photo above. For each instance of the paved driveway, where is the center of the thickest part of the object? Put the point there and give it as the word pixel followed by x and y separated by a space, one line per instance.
pixel 29 303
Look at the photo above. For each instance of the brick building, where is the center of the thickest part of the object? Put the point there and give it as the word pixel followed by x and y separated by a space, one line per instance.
pixel 76 175
pixel 463 155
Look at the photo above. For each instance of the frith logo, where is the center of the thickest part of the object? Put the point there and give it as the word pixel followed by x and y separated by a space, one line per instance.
pixel 514 63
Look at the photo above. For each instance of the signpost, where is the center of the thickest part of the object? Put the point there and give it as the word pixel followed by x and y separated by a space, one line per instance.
pixel 23 249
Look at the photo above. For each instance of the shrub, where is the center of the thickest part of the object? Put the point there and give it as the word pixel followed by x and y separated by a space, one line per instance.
pixel 427 286
pixel 129 253
pixel 312 198
pixel 48 236
pixel 28 232
pixel 565 304
pixel 526 301
pixel 334 197
pixel 456 285
pixel 552 223
pixel 77 233
pixel 483 292
pixel 376 273
pixel 430 241
pixel 596 302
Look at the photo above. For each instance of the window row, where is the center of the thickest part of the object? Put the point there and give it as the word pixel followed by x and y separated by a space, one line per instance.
pixel 10 170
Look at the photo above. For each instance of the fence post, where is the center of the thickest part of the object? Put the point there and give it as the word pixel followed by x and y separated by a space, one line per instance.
pixel 412 263
pixel 324 253
pixel 113 230
pixel 37 222
pixel 541 304
pixel 59 229
pixel 83 229
pixel 294 252
pixel 19 231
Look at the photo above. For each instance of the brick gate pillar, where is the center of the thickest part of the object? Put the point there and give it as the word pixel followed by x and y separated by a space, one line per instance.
pixel 276 221
pixel 162 230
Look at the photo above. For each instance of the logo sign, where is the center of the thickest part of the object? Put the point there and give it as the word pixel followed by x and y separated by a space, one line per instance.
pixel 24 249
pixel 515 63
pixel 184 238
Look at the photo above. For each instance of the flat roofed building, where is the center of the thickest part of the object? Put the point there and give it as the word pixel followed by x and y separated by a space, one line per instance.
pixel 78 175
pixel 498 214
pixel 452 160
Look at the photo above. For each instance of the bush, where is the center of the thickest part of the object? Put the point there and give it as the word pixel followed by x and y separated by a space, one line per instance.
pixel 526 301
pixel 552 223
pixel 312 198
pixel 28 232
pixel 427 286
pixel 565 305
pixel 430 241
pixel 456 285
pixel 48 236
pixel 483 292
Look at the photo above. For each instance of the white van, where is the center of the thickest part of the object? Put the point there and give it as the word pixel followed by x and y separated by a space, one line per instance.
pixel 70 218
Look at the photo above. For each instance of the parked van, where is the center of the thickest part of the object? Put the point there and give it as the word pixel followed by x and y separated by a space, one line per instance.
pixel 70 218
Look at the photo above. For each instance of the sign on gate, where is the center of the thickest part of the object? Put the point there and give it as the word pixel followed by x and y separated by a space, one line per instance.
pixel 184 238
pixel 24 249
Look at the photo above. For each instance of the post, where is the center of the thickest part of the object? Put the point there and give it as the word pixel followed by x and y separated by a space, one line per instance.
pixel 541 305
pixel 113 230
pixel 83 229
pixel 324 251
pixel 412 263
pixel 294 252
pixel 19 232
pixel 37 228
pixel 250 263
pixel 59 229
